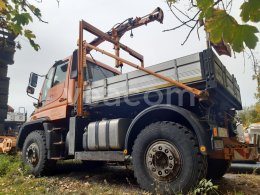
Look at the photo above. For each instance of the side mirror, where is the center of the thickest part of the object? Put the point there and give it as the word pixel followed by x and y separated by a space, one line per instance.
pixel 30 90
pixel 33 80
pixel 37 105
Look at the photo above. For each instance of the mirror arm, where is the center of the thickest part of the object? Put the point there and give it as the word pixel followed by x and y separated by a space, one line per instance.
pixel 32 97
pixel 40 75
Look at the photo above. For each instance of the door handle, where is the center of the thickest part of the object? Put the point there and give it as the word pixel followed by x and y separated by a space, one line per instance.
pixel 62 99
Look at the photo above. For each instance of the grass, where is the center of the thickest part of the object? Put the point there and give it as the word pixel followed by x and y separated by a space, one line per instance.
pixel 15 179
pixel 11 166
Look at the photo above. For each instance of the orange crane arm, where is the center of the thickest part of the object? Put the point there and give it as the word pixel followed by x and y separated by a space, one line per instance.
pixel 130 24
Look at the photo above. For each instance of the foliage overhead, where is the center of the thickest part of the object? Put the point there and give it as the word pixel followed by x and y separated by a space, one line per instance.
pixel 221 26
pixel 250 115
pixel 256 77
pixel 16 15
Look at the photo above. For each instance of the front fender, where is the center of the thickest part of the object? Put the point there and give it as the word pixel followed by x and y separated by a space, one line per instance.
pixel 27 128
pixel 167 113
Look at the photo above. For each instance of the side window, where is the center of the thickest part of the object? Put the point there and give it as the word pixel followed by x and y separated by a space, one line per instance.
pixel 102 73
pixel 60 74
pixel 47 84
pixel 98 72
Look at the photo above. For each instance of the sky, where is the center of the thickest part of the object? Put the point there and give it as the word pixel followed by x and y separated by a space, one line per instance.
pixel 58 39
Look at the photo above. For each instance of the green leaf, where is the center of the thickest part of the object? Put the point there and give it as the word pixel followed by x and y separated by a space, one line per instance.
pixel 244 34
pixel 209 12
pixel 15 28
pixel 17 15
pixel 216 35
pixel 204 4
pixel 35 10
pixel 22 19
pixel 172 1
pixel 29 34
pixel 220 26
pixel 250 11
pixel 223 27
pixel 2 5
pixel 35 46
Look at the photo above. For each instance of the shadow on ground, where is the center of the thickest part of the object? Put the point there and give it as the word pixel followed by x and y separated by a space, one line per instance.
pixel 96 173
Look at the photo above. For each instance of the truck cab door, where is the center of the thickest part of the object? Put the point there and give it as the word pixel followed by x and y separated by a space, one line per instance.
pixel 54 93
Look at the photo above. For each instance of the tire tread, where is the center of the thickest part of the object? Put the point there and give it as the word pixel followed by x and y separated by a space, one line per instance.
pixel 202 161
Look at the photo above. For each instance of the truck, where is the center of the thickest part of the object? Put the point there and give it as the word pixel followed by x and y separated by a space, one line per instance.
pixel 252 133
pixel 173 121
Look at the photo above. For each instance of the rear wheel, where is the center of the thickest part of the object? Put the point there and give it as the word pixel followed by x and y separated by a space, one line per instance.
pixel 217 168
pixel 34 154
pixel 166 159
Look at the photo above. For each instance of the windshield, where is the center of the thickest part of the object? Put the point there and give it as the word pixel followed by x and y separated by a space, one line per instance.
pixel 60 73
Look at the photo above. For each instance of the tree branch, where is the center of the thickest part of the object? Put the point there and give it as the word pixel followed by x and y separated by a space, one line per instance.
pixel 199 26
pixel 182 12
pixel 189 33
pixel 27 5
pixel 185 23
pixel 192 3
pixel 217 2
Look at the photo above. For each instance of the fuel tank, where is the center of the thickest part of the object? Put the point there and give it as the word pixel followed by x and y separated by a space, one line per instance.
pixel 106 135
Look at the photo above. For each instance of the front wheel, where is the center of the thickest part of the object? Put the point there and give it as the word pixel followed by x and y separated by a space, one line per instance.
pixel 34 154
pixel 166 159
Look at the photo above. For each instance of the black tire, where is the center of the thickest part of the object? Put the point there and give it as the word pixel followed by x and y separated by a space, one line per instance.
pixel 189 167
pixel 217 168
pixel 34 154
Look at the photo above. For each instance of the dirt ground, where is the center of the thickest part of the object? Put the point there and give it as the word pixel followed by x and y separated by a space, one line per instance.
pixel 119 180
pixel 109 180
pixel 239 184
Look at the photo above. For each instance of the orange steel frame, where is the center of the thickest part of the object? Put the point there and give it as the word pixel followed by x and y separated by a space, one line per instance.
pixel 84 48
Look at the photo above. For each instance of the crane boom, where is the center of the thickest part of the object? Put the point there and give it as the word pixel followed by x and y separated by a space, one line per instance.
pixel 130 24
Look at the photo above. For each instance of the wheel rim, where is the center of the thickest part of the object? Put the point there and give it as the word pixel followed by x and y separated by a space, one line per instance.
pixel 163 161
pixel 32 154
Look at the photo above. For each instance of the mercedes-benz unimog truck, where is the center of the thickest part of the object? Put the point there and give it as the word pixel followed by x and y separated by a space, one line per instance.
pixel 173 121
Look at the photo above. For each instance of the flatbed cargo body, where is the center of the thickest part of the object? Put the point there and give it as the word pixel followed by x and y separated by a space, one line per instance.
pixel 200 70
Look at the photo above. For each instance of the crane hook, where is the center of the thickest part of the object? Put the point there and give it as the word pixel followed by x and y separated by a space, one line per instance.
pixel 131 34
